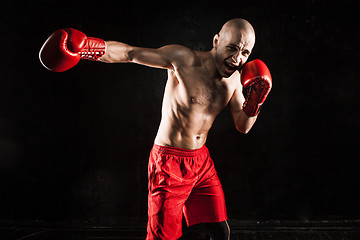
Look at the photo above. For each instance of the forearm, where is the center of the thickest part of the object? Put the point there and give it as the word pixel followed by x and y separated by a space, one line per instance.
pixel 244 123
pixel 116 52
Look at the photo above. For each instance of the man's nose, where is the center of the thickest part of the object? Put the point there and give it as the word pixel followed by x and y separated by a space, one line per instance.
pixel 237 57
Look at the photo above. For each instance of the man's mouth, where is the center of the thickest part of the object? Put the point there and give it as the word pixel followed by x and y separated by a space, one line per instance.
pixel 230 67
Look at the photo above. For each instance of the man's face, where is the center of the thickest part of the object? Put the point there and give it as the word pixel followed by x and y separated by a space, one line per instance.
pixel 233 47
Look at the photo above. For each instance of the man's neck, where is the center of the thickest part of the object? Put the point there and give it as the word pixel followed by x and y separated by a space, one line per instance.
pixel 210 63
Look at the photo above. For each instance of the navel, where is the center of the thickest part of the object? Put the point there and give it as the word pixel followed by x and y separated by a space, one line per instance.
pixel 193 99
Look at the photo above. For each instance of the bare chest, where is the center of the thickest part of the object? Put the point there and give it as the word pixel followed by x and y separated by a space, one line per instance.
pixel 199 89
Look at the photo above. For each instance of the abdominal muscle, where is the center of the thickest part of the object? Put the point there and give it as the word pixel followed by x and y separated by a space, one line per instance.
pixel 186 117
pixel 184 132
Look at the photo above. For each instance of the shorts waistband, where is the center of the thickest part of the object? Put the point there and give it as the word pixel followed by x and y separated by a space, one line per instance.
pixel 180 151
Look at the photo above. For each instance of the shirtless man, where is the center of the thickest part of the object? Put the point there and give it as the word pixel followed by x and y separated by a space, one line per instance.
pixel 182 177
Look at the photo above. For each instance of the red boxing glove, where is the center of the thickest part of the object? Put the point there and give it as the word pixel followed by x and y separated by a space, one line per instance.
pixel 65 47
pixel 256 78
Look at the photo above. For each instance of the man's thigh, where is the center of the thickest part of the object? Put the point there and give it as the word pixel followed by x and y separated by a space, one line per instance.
pixel 206 203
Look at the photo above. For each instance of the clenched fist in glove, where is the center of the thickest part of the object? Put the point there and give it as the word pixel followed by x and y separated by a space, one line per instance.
pixel 256 79
pixel 65 47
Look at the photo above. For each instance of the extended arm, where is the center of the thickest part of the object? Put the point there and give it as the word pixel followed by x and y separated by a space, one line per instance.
pixel 65 47
pixel 164 57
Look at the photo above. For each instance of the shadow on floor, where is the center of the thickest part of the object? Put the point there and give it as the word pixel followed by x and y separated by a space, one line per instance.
pixel 320 230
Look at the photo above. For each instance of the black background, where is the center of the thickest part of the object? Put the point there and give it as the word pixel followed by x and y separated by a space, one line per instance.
pixel 74 146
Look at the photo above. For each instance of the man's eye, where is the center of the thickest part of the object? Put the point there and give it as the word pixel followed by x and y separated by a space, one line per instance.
pixel 231 48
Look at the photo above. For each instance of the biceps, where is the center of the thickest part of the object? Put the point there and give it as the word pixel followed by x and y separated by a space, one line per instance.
pixel 157 58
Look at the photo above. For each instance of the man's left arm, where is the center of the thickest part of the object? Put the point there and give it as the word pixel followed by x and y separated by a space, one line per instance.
pixel 243 122
pixel 257 81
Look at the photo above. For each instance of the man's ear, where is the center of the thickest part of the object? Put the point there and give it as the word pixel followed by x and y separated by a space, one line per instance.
pixel 216 41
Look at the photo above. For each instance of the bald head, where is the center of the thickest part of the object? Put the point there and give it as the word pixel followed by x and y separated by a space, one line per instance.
pixel 238 30
pixel 237 24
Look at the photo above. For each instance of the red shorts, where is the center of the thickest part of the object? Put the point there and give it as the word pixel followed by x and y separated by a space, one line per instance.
pixel 185 182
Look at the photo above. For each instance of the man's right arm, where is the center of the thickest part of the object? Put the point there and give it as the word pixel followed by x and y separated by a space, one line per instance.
pixel 165 57
pixel 65 47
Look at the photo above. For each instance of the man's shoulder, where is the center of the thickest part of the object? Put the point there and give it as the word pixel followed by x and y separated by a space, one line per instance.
pixel 182 54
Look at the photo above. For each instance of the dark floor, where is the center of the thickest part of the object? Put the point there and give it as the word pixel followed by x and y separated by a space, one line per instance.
pixel 344 230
